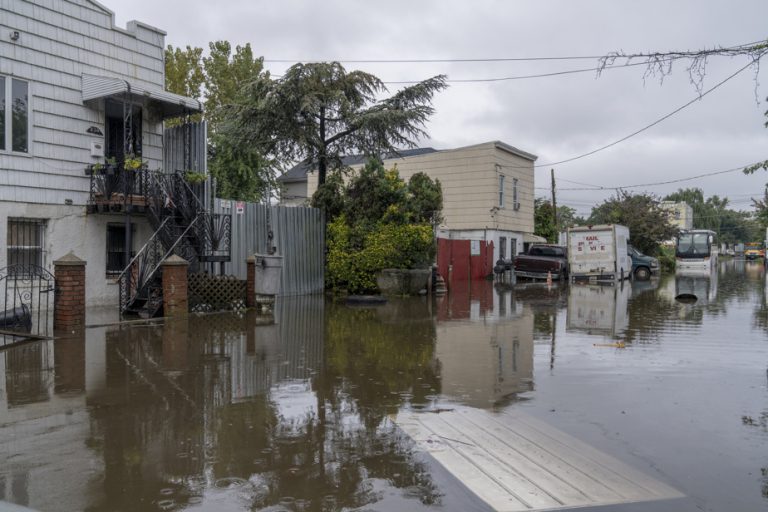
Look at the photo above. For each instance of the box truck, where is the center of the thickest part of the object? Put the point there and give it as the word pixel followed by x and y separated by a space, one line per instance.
pixel 599 253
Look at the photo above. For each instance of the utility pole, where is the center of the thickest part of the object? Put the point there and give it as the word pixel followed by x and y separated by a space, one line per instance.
pixel 554 203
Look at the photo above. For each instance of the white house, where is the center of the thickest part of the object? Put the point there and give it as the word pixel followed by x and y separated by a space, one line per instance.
pixel 76 90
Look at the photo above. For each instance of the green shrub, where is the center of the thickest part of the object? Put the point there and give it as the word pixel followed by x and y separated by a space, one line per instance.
pixel 357 253
pixel 667 259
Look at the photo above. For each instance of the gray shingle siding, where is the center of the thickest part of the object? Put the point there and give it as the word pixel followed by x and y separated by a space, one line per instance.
pixel 59 41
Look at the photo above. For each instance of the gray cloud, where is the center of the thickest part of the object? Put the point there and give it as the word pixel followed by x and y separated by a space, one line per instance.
pixel 555 118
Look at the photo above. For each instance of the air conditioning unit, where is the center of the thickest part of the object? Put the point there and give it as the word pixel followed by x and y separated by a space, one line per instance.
pixel 516 206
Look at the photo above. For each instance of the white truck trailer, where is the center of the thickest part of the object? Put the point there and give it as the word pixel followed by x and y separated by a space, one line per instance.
pixel 599 253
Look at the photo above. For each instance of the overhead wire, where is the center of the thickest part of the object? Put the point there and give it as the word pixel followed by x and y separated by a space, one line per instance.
pixel 648 126
pixel 681 54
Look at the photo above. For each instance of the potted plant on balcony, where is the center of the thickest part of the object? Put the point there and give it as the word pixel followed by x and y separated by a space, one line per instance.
pixel 194 177
pixel 96 168
pixel 112 165
pixel 134 163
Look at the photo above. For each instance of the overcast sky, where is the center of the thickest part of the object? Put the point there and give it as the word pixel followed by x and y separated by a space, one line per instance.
pixel 555 117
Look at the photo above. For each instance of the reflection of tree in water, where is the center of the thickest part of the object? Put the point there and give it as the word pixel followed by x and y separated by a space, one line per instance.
pixel 380 357
pixel 195 413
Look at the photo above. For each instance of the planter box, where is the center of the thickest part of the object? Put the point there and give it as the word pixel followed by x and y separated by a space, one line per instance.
pixel 395 281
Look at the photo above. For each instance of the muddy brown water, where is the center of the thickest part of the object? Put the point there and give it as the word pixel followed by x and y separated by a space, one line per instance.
pixel 295 411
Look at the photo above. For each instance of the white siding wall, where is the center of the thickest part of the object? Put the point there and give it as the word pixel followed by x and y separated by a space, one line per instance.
pixel 59 40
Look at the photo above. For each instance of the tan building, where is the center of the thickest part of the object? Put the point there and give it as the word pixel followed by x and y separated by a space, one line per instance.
pixel 487 191
pixel 680 214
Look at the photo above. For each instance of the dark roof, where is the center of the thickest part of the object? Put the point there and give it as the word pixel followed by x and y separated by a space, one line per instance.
pixel 299 172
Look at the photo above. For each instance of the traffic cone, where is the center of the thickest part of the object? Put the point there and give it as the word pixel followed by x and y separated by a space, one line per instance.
pixel 549 278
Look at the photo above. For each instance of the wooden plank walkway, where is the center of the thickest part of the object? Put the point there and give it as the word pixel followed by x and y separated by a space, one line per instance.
pixel 515 462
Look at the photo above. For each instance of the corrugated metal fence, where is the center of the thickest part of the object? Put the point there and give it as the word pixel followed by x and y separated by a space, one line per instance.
pixel 185 148
pixel 298 236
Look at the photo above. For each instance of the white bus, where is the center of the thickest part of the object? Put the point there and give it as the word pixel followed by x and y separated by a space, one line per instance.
pixel 696 251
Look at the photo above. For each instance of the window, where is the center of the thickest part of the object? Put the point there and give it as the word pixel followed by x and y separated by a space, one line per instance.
pixel 501 191
pixel 25 241
pixel 116 261
pixel 502 247
pixel 513 247
pixel 14 115
pixel 515 199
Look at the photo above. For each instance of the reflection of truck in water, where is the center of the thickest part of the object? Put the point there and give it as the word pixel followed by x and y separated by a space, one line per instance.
pixel 598 253
pixel 598 309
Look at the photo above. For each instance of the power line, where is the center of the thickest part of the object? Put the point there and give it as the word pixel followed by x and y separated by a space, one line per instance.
pixel 653 184
pixel 676 54
pixel 651 125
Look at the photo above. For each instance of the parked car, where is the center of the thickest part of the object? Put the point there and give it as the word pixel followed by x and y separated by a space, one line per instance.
pixel 643 266
pixel 542 260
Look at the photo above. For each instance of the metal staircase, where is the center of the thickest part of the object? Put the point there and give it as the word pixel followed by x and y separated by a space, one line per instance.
pixel 183 227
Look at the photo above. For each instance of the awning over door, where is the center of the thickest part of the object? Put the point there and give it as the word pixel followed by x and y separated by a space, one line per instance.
pixel 531 238
pixel 165 103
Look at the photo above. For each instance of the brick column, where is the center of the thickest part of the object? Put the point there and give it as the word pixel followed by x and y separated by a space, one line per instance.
pixel 69 300
pixel 250 286
pixel 175 286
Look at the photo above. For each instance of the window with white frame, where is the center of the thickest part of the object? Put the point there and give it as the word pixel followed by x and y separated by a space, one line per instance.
pixel 14 115
pixel 515 199
pixel 501 191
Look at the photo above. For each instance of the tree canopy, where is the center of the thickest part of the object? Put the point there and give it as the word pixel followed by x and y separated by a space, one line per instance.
pixel 713 213
pixel 241 172
pixel 319 112
pixel 544 223
pixel 648 224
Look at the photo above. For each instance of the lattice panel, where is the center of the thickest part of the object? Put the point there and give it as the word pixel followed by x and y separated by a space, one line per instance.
pixel 216 293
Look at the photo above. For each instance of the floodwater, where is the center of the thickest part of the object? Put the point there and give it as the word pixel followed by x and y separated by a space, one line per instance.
pixel 296 411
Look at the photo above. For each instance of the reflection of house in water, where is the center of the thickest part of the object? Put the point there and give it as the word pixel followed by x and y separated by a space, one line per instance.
pixel 43 422
pixel 485 350
pixel 598 309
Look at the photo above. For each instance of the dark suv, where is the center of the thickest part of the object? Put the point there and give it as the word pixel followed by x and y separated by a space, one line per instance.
pixel 643 267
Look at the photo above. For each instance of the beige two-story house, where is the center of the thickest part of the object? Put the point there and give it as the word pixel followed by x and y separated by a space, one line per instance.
pixel 487 197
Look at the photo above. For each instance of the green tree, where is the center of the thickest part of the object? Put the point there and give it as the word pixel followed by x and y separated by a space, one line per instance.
pixel 184 71
pixel 241 171
pixel 544 223
pixel 225 75
pixel 648 224
pixel 320 112
pixel 379 221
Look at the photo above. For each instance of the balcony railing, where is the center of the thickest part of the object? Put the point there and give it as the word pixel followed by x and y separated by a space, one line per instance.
pixel 115 188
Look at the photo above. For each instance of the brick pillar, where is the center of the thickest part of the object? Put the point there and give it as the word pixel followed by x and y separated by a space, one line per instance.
pixel 175 286
pixel 69 300
pixel 250 286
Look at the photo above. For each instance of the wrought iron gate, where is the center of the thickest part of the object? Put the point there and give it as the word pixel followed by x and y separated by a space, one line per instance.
pixel 26 300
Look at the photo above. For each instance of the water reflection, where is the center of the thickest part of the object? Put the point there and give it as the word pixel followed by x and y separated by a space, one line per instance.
pixel 598 309
pixel 294 410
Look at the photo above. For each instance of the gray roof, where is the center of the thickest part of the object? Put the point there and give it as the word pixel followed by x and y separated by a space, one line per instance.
pixel 299 172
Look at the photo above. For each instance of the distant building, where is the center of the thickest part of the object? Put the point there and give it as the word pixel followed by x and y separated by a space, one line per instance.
pixel 487 200
pixel 680 214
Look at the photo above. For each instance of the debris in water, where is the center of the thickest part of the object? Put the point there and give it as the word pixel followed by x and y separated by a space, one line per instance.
pixel 618 344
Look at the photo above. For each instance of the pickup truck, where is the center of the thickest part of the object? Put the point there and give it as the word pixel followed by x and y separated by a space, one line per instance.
pixel 542 260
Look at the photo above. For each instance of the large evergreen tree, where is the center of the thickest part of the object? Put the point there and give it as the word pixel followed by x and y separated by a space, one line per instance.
pixel 320 112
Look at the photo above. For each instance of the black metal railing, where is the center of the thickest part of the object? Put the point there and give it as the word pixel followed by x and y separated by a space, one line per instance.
pixel 175 210
pixel 115 188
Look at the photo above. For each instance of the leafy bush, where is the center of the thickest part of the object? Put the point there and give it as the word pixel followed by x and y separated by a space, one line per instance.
pixel 667 260
pixel 356 254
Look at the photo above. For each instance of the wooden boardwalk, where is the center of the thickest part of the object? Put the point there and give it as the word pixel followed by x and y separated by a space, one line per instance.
pixel 515 462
